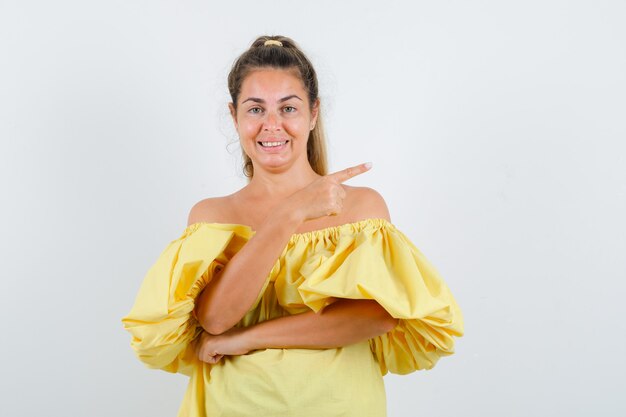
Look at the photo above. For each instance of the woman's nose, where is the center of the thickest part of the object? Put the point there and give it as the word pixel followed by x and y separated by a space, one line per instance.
pixel 272 121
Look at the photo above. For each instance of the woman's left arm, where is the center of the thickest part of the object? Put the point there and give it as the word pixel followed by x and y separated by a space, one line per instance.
pixel 341 323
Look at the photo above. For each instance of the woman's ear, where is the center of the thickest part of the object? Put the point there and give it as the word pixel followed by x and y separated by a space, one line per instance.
pixel 233 114
pixel 314 113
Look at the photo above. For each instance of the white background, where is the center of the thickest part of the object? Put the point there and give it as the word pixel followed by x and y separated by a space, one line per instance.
pixel 497 132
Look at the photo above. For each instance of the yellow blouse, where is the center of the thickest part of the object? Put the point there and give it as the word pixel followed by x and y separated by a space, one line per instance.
pixel 368 259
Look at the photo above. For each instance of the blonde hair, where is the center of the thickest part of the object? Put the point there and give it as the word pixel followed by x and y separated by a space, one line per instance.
pixel 287 56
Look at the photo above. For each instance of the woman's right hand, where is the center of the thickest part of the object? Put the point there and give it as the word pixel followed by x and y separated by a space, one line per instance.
pixel 324 196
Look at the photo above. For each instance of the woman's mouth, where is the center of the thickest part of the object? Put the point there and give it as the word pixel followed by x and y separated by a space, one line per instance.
pixel 273 144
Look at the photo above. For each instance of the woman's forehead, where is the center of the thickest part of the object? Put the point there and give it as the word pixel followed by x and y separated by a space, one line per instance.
pixel 270 83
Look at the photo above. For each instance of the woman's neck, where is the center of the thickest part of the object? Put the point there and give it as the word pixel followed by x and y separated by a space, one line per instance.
pixel 280 184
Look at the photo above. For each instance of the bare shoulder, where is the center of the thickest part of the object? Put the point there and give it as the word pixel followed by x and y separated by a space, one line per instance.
pixel 210 210
pixel 366 203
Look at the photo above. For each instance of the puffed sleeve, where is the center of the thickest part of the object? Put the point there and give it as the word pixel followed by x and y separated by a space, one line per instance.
pixel 382 264
pixel 161 321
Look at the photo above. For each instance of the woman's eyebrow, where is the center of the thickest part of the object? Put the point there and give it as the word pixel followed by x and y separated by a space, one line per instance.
pixel 260 100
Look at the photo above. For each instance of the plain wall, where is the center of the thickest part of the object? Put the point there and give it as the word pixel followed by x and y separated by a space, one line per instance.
pixel 497 133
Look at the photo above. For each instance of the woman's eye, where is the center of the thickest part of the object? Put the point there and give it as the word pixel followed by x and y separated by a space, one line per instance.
pixel 255 110
pixel 290 109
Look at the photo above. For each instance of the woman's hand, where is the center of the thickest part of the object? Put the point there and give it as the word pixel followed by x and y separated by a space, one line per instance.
pixel 211 348
pixel 324 196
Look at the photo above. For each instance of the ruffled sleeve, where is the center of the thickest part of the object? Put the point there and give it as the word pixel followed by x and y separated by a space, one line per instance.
pixel 161 321
pixel 379 262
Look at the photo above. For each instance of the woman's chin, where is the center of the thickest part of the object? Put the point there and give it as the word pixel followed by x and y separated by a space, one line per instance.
pixel 273 164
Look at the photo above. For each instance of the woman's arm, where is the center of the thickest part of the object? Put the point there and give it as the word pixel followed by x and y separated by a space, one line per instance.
pixel 230 295
pixel 342 323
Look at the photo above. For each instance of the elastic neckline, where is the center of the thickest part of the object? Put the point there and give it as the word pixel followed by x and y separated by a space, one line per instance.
pixel 330 230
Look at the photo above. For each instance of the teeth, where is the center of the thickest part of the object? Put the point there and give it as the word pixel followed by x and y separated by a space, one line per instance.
pixel 273 143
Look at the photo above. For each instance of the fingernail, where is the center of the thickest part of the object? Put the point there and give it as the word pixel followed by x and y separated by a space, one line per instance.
pixel 368 165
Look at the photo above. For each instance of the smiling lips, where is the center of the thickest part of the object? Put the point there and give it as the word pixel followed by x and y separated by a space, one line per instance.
pixel 273 145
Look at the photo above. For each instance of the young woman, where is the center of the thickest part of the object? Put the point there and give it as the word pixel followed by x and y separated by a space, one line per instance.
pixel 294 295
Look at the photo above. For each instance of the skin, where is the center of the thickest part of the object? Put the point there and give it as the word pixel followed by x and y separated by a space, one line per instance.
pixel 285 196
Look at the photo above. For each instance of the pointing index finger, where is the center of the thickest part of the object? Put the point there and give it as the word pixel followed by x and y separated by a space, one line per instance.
pixel 346 174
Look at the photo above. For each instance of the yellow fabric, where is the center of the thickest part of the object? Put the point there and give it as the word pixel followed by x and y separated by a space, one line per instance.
pixel 369 259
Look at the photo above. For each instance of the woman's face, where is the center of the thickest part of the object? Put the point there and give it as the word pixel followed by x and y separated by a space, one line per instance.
pixel 273 119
